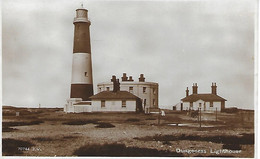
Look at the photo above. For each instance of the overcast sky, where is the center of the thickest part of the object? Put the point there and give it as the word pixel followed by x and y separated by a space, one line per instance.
pixel 174 43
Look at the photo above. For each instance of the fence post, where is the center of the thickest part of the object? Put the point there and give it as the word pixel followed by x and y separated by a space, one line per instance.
pixel 216 114
pixel 159 116
pixel 200 116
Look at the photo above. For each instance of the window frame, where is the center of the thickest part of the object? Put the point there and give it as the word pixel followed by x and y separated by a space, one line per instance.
pixel 131 89
pixel 211 104
pixel 103 103
pixel 144 89
pixel 123 104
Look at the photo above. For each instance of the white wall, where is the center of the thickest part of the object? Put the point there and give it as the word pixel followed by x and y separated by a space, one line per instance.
pixel 186 106
pixel 82 108
pixel 81 63
pixel 69 108
pixel 149 95
pixel 114 105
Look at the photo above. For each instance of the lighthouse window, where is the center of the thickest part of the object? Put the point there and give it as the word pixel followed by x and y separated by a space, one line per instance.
pixel 86 74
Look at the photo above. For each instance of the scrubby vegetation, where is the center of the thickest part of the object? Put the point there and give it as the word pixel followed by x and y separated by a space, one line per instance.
pixel 12 147
pixel 81 122
pixel 22 123
pixel 246 139
pixel 133 120
pixel 104 125
pixel 120 150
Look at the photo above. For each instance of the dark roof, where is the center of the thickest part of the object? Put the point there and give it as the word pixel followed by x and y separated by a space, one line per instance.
pixel 114 95
pixel 83 103
pixel 204 97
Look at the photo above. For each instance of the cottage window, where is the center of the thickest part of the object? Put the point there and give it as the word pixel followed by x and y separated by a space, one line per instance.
pixel 211 104
pixel 103 103
pixel 107 88
pixel 191 104
pixel 144 102
pixel 123 103
pixel 144 89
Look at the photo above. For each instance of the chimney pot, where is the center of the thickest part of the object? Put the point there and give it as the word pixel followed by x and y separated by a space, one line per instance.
pixel 195 88
pixel 187 92
pixel 141 79
pixel 113 78
pixel 124 78
pixel 214 88
pixel 131 78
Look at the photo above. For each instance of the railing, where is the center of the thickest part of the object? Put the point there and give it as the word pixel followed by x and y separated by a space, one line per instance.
pixel 81 20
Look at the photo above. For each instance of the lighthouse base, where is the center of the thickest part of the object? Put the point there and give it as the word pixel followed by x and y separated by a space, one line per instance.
pixel 76 105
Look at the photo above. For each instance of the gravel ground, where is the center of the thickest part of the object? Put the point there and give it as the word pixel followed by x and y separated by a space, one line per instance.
pixel 53 138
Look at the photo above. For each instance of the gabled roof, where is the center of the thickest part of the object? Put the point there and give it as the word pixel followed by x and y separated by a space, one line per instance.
pixel 204 97
pixel 114 95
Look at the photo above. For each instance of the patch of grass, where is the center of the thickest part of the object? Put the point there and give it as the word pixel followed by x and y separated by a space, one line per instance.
pixel 105 125
pixel 247 139
pixel 22 123
pixel 44 139
pixel 81 122
pixel 232 146
pixel 166 143
pixel 69 137
pixel 7 129
pixel 10 147
pixel 120 150
pixel 133 120
pixel 150 119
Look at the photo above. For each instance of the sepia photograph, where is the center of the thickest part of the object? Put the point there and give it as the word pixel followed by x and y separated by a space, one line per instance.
pixel 130 78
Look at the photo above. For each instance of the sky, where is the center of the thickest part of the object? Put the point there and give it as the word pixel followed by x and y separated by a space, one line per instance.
pixel 175 43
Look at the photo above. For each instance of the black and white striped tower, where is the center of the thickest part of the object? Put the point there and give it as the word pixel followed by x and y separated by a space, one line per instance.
pixel 82 81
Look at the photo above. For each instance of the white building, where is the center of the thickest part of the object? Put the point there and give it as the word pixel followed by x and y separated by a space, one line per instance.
pixel 118 101
pixel 146 91
pixel 207 102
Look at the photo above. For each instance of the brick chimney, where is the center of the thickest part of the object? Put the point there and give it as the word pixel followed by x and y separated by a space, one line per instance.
pixel 124 78
pixel 214 88
pixel 116 84
pixel 141 78
pixel 187 92
pixel 130 78
pixel 195 88
pixel 113 78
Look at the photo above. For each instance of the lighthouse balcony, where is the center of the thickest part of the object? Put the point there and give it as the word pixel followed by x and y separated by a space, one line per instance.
pixel 85 20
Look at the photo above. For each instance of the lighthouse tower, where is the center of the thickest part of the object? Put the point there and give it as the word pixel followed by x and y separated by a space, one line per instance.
pixel 82 81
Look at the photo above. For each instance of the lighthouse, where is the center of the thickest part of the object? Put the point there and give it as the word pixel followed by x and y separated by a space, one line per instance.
pixel 82 81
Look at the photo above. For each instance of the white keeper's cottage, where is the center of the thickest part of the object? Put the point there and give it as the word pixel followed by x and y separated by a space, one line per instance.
pixel 207 102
